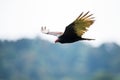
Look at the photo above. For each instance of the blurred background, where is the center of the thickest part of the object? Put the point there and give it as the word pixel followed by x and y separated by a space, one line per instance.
pixel 27 54
pixel 36 59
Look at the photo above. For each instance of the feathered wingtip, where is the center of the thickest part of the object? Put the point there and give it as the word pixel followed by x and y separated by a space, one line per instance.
pixel 85 16
pixel 44 30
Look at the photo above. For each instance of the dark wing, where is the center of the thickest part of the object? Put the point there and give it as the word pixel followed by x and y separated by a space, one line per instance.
pixel 79 26
pixel 46 31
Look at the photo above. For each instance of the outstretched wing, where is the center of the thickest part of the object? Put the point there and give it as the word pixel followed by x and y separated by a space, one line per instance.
pixel 46 31
pixel 80 25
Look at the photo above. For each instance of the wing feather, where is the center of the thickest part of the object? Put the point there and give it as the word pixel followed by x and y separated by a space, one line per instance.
pixel 79 26
pixel 82 23
pixel 83 15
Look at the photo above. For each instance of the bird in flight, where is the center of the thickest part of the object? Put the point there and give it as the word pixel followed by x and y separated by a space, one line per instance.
pixel 74 31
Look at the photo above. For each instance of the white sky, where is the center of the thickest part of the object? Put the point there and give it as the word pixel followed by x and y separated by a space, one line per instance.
pixel 24 18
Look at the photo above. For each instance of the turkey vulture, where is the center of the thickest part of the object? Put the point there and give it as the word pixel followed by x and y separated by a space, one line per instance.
pixel 73 31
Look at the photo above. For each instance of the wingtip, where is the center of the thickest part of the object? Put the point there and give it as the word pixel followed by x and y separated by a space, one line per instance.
pixel 79 15
pixel 84 16
pixel 44 30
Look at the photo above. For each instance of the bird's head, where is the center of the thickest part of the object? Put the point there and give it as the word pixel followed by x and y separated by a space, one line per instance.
pixel 58 40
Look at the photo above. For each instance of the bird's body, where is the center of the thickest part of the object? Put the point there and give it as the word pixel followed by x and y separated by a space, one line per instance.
pixel 63 39
pixel 70 39
pixel 73 31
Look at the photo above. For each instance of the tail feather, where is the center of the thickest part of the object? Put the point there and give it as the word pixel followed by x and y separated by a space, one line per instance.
pixel 87 39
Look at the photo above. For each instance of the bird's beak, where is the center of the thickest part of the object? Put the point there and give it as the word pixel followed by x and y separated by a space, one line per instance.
pixel 57 41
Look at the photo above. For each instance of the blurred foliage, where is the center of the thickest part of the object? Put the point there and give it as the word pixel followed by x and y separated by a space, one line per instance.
pixel 36 59
pixel 103 76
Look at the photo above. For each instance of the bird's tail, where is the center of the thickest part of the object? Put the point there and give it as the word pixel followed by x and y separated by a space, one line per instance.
pixel 87 39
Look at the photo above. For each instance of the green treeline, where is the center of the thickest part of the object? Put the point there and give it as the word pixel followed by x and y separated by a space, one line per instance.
pixel 36 59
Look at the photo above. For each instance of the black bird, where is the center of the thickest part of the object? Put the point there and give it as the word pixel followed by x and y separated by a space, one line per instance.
pixel 75 30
